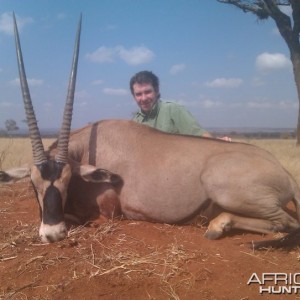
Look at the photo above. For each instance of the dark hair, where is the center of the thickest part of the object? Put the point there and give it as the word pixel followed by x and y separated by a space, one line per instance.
pixel 145 77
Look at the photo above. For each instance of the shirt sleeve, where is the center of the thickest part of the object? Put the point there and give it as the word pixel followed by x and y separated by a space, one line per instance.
pixel 185 122
pixel 135 118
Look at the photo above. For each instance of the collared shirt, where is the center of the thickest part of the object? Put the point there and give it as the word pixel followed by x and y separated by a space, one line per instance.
pixel 170 117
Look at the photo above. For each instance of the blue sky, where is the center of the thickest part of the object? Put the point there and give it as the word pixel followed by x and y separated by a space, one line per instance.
pixel 229 69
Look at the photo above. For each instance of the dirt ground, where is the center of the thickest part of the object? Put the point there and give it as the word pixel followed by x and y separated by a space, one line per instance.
pixel 124 259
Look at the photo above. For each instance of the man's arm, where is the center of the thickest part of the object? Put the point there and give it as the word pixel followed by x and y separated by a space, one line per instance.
pixel 187 124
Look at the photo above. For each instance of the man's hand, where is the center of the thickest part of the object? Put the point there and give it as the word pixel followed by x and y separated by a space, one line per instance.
pixel 225 138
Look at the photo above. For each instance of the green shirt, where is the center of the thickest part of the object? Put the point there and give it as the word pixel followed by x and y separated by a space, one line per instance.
pixel 170 117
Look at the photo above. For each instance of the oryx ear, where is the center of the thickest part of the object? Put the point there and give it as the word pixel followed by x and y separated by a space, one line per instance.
pixel 14 174
pixel 92 174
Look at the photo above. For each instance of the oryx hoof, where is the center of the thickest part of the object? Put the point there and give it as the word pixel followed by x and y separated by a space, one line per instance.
pixel 212 234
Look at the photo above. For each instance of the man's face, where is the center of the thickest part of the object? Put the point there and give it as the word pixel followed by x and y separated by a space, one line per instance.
pixel 145 96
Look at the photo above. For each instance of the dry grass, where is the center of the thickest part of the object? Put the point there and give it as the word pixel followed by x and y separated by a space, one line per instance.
pixel 98 259
pixel 122 256
pixel 106 253
pixel 15 152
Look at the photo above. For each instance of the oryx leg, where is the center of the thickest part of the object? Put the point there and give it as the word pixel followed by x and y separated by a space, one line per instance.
pixel 227 221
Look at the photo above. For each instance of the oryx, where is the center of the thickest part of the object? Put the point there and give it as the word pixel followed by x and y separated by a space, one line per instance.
pixel 118 167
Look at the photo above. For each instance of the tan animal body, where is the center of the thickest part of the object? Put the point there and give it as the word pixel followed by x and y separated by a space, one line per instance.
pixel 171 178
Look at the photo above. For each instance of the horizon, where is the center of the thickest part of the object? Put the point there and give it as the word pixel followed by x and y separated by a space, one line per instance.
pixel 24 130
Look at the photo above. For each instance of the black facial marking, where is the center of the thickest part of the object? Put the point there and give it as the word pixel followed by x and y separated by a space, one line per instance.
pixel 51 170
pixel 52 202
pixel 53 210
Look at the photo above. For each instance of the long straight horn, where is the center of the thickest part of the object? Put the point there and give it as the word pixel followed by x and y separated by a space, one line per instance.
pixel 63 140
pixel 39 156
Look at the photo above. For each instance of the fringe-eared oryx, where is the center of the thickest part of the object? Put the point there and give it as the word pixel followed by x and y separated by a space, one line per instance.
pixel 117 167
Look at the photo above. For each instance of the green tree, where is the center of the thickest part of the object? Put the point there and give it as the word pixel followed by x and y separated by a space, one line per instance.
pixel 11 125
pixel 289 28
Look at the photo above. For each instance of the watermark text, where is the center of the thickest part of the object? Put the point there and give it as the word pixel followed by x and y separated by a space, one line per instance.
pixel 276 283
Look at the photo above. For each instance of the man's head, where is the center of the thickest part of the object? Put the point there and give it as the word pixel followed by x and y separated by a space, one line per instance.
pixel 144 87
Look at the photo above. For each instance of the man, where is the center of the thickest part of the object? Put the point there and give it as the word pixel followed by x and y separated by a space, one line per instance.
pixel 165 116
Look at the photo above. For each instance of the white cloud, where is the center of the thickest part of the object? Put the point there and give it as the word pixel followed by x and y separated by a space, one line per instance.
pixel 286 10
pixel 6 23
pixel 270 104
pixel 6 104
pixel 175 69
pixel 133 56
pixel 81 104
pixel 288 104
pixel 35 82
pixel 254 104
pixel 115 92
pixel 210 103
pixel 109 27
pixel 262 104
pixel 83 94
pixel 136 55
pixel 31 82
pixel 272 61
pixel 61 16
pixel 97 82
pixel 48 104
pixel 102 55
pixel 207 103
pixel 257 81
pixel 14 82
pixel 224 83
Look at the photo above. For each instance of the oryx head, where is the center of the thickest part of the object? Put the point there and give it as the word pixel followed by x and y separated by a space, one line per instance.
pixel 50 177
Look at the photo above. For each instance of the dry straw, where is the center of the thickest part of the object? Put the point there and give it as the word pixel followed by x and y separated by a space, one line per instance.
pixel 104 250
